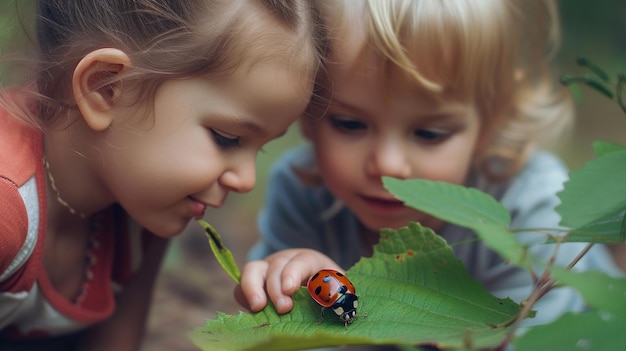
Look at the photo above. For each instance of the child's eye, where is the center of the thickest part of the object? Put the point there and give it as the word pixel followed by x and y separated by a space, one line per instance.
pixel 431 135
pixel 224 141
pixel 346 124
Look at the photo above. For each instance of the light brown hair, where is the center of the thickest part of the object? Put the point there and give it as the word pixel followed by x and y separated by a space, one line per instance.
pixel 164 39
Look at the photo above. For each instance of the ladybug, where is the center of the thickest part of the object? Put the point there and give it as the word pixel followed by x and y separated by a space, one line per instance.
pixel 332 289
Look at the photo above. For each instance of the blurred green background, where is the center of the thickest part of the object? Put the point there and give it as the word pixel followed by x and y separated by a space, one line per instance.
pixel 193 287
pixel 597 31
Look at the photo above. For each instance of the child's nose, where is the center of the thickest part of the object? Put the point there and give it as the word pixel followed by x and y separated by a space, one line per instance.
pixel 389 159
pixel 241 178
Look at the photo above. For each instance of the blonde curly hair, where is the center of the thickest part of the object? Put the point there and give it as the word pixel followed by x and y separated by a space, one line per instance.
pixel 494 53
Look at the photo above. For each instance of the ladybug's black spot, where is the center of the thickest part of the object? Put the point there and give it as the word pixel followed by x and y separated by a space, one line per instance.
pixel 318 290
pixel 315 276
pixel 339 274
pixel 342 289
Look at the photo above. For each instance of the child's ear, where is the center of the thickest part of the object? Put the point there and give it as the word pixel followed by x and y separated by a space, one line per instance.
pixel 94 96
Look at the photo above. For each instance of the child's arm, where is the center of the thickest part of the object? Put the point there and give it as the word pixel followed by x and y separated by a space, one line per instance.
pixel 279 275
pixel 125 329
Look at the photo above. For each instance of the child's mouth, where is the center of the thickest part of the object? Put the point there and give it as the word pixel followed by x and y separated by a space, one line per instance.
pixel 198 208
pixel 384 205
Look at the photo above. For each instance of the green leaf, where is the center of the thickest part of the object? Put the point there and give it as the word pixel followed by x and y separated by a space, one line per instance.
pixel 594 191
pixel 607 230
pixel 460 205
pixel 222 254
pixel 465 207
pixel 583 61
pixel 413 290
pixel 604 147
pixel 577 93
pixel 599 331
pixel 590 81
pixel 598 289
pixel 602 88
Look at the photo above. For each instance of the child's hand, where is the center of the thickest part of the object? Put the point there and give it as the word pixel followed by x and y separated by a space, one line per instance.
pixel 280 275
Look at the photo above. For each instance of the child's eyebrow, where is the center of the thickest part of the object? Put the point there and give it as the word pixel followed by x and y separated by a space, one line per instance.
pixel 435 111
pixel 347 105
pixel 249 125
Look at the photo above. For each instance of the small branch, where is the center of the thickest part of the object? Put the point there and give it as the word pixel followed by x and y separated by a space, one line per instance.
pixel 535 295
pixel 580 255
pixel 542 286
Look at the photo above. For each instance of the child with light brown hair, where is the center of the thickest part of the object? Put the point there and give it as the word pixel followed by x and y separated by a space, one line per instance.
pixel 138 117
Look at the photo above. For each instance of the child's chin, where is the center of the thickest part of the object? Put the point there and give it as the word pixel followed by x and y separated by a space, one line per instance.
pixel 169 230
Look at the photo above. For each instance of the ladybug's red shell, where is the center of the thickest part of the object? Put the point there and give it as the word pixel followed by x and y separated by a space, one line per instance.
pixel 327 286
pixel 334 290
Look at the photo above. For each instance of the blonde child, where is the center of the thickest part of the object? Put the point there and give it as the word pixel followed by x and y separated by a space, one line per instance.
pixel 139 116
pixel 454 91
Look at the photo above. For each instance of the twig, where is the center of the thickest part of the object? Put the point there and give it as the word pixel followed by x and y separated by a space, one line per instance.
pixel 580 255
pixel 542 286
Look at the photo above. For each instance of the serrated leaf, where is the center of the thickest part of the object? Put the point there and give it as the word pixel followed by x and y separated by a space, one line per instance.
pixel 610 229
pixel 599 290
pixel 469 206
pixel 595 190
pixel 413 290
pixel 595 331
pixel 223 255
pixel 465 207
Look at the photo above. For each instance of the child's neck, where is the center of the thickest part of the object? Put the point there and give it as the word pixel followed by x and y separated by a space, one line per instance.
pixel 72 184
pixel 65 249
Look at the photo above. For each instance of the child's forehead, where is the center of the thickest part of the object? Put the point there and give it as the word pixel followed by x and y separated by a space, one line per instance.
pixel 362 63
pixel 443 47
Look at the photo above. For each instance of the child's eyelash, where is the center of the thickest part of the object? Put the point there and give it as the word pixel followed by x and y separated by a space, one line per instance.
pixel 223 141
pixel 347 124
pixel 431 135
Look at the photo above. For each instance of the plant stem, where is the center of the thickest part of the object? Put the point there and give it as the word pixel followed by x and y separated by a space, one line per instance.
pixel 542 286
pixel 580 255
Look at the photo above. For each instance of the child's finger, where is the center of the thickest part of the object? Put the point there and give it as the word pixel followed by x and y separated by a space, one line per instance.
pixel 253 284
pixel 282 302
pixel 241 298
pixel 301 267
